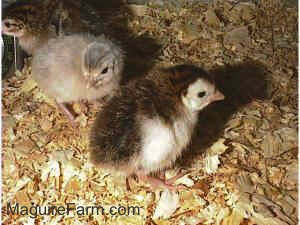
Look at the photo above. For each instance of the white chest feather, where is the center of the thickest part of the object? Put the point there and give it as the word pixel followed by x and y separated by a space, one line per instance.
pixel 162 144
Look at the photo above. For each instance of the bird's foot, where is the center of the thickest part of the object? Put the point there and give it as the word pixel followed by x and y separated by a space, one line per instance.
pixel 172 180
pixel 157 182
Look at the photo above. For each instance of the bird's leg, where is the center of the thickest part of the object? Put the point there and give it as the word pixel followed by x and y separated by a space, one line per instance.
pixel 128 188
pixel 67 112
pixel 130 177
pixel 63 16
pixel 19 57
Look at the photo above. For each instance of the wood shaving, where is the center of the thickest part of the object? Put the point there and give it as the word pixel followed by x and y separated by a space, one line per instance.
pixel 251 173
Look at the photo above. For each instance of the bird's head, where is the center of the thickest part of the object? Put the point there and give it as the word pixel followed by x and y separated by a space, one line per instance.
pixel 102 61
pixel 199 94
pixel 194 86
pixel 26 17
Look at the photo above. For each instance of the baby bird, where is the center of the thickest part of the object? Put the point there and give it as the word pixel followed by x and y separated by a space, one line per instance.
pixel 148 124
pixel 29 23
pixel 35 22
pixel 78 67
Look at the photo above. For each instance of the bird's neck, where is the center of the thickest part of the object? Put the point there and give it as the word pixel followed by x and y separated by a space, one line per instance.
pixel 188 116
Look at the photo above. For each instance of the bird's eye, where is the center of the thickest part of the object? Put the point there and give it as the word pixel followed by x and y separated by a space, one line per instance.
pixel 7 24
pixel 201 94
pixel 104 70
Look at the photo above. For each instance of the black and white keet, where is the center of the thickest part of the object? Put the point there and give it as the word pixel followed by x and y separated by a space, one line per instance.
pixel 149 123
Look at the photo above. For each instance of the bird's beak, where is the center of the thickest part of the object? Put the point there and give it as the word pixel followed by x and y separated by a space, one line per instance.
pixel 89 85
pixel 217 96
pixel 93 84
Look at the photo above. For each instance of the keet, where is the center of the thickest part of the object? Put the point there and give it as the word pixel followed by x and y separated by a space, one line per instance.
pixel 147 126
pixel 78 67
